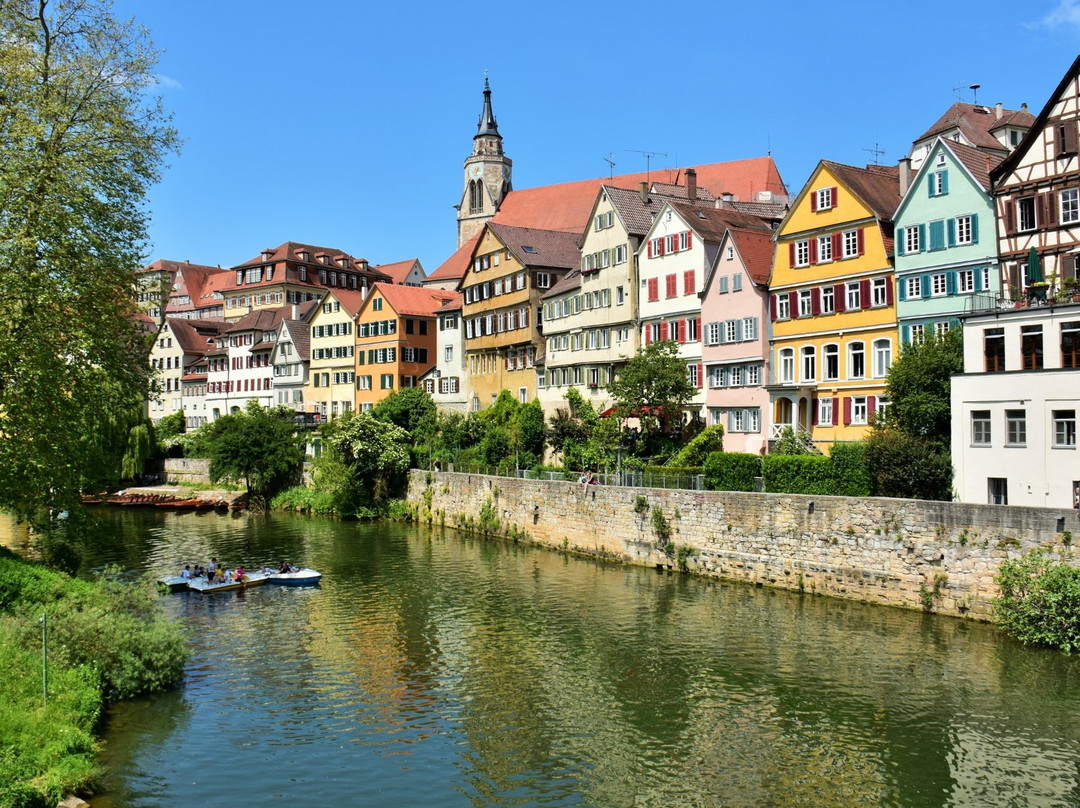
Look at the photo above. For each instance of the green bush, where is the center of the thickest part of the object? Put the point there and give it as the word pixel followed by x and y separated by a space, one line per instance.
pixel 1040 601
pixel 908 466
pixel 851 475
pixel 711 439
pixel 797 474
pixel 731 471
pixel 305 500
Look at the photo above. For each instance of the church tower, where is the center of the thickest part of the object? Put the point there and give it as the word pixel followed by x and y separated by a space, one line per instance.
pixel 487 175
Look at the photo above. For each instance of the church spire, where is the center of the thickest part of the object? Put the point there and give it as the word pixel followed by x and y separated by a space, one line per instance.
pixel 488 126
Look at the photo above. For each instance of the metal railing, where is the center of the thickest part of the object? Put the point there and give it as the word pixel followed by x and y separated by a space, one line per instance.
pixel 625 479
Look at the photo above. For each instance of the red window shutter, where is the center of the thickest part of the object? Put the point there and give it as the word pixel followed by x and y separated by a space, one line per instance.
pixel 654 288
pixel 847 410
pixel 814 412
pixel 700 375
pixel 791 253
pixel 675 244
pixel 793 304
pixel 864 293
pixel 689 239
pixel 1010 215
pixel 682 330
pixel 697 328
pixel 650 248
pixel 663 330
pixel 772 308
pixel 835 196
pixel 813 200
pixel 837 246
pixel 840 297
pixel 861 249
pixel 813 251
pixel 689 287
pixel 889 291
pixel 871 405
pixel 648 333
pixel 835 408
pixel 815 301
pixel 671 283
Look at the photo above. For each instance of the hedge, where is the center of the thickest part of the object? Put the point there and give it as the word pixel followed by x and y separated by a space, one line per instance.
pixel 731 471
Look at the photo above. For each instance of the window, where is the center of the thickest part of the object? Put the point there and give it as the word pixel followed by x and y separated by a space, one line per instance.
pixel 828 300
pixel 856 360
pixel 1064 429
pixel 448 353
pixel 941 328
pixel 654 288
pixel 620 296
pixel 851 243
pixel 808 362
pixel 824 198
pixel 376 304
pixel 806 308
pixel 917 333
pixel 997 490
pixel 911 239
pixel 749 328
pixel 980 428
pixel 1070 206
pixel 786 365
pixel 712 334
pixel 1025 209
pixel 824 249
pixel 692 374
pixel 1015 427
pixel 994 349
pixel 882 357
pixel 859 412
pixel 802 253
pixel 831 362
pixel 912 287
pixel 938 284
pixel 854 296
pixel 965 281
pixel 939 183
pixel 689 284
pixel 1031 347
pixel 879 291
pixel 965 229
pixel 783 306
pixel 1070 345
pixel 543 280
pixel 825 411
pixel 731 331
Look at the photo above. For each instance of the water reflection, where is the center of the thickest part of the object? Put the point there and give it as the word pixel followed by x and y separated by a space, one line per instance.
pixel 432 668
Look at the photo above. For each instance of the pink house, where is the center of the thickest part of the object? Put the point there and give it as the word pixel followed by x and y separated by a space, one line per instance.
pixel 735 331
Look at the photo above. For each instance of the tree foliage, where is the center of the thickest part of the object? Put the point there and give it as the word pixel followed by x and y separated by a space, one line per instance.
pixel 908 466
pixel 918 387
pixel 1040 601
pixel 653 386
pixel 260 447
pixel 81 142
pixel 366 462
pixel 411 409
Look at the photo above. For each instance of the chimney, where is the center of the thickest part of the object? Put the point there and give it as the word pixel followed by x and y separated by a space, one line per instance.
pixel 998 111
pixel 295 311
pixel 1023 107
pixel 905 174
pixel 988 164
pixel 691 184
pixel 643 189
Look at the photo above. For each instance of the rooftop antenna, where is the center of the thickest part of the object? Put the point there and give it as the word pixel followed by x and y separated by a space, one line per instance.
pixel 877 152
pixel 610 160
pixel 648 157
pixel 975 92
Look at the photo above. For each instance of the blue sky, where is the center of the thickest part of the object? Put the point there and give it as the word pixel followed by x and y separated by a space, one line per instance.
pixel 345 124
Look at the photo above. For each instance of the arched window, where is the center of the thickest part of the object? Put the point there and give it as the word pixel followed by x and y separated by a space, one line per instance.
pixel 786 365
pixel 808 362
pixel 857 360
pixel 476 196
pixel 882 357
pixel 831 362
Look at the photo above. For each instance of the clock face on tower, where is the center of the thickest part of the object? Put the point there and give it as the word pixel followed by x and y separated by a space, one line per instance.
pixel 475 171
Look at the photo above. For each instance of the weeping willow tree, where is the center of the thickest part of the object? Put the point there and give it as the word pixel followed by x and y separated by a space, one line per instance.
pixel 81 142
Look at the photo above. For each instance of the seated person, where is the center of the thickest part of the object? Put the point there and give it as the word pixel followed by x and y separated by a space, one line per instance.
pixel 185 573
pixel 284 567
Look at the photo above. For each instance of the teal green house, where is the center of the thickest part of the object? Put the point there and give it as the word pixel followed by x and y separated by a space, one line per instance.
pixel 946 242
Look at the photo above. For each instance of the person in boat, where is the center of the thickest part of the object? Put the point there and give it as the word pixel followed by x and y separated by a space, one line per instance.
pixel 212 568
pixel 284 567
pixel 185 573
pixel 239 576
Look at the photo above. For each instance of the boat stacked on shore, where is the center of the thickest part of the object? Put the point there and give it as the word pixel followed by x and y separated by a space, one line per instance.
pixel 294 577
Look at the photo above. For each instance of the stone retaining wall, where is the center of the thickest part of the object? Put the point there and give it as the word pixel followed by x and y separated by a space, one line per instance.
pixel 939 556
pixel 179 470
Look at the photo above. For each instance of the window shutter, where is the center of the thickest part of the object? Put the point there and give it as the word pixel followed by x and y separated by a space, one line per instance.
pixel 888 291
pixel 930 184
pixel 899 241
pixel 723 333
pixel 772 308
pixel 951 234
pixel 905 335
pixel 922 238
pixel 901 288
pixel 864 293
pixel 1070 137
pixel 840 297
pixel 682 330
pixel 815 301
pixel 944 182
pixel 924 285
pixel 1051 208
pixel 813 251
pixel 360 358
pixel 974 228
pixel 1009 216
pixel 648 333
pixel 847 410
pixel 977 272
pixel 663 330
pixel 700 375
pixel 697 328
pixel 791 253
pixel 950 282
pixel 871 405
pixel 837 246
pixel 650 248
pixel 793 305
pixel 814 412
pixel 859 241
pixel 835 196
pixel 371 356
pixel 813 201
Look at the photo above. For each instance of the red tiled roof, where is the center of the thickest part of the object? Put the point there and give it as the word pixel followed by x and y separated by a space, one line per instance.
pixel 260 320
pixel 416 301
pixel 455 267
pixel 877 186
pixel 756 249
pixel 192 335
pixel 399 271
pixel 977 122
pixel 979 163
pixel 567 206
pixel 453 304
pixel 350 299
pixel 571 281
pixel 711 223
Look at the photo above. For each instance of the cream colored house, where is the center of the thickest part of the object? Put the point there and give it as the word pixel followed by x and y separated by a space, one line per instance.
pixel 331 387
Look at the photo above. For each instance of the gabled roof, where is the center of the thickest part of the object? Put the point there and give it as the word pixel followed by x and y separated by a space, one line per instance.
pixel 455 267
pixel 414 301
pixel 567 206
pixel 453 304
pixel 568 283
pixel 711 223
pixel 681 191
pixel 259 320
pixel 192 335
pixel 979 163
pixel 399 272
pixel 636 215
pixel 539 248
pixel 352 300
pixel 291 250
pixel 756 249
pixel 976 124
pixel 1009 163
pixel 878 187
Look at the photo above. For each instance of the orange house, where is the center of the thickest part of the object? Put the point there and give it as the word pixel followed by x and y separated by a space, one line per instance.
pixel 396 334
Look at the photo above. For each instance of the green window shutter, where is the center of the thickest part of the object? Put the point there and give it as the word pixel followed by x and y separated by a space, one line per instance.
pixel 974 228
pixel 944 182
pixel 905 334
pixel 937 235
pixel 899 241
pixel 952 232
pixel 922 238
pixel 901 288
pixel 950 282
pixel 924 283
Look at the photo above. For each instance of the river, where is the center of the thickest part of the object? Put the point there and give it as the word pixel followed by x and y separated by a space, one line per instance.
pixel 432 668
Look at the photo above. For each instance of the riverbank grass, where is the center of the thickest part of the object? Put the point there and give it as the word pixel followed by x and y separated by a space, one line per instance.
pixel 108 640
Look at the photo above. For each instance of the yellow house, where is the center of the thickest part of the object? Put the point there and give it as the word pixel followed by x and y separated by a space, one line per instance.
pixel 510 268
pixel 834 328
pixel 331 385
